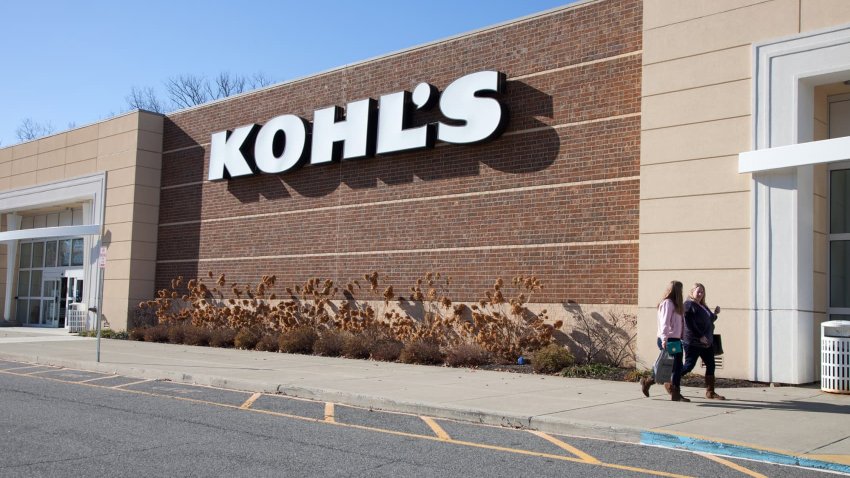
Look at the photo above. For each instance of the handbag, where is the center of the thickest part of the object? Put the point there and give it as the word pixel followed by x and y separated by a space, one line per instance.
pixel 663 368
pixel 717 345
pixel 674 347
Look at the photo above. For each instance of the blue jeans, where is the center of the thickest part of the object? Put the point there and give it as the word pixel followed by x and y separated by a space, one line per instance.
pixel 676 378
pixel 692 353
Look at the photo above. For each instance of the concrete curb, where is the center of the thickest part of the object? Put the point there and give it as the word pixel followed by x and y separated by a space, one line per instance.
pixel 681 442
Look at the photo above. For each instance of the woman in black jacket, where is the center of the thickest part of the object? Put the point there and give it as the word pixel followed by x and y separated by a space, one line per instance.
pixel 698 337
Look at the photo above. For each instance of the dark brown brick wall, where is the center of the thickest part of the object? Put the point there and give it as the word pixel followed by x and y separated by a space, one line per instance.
pixel 497 209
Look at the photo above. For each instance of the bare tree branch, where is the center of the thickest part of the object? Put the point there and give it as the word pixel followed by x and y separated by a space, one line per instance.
pixel 259 80
pixel 144 99
pixel 30 129
pixel 228 85
pixel 187 90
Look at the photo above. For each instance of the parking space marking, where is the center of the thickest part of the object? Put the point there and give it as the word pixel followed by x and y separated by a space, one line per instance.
pixel 98 378
pixel 444 438
pixel 438 430
pixel 250 401
pixel 566 446
pixel 329 412
pixel 119 387
pixel 732 465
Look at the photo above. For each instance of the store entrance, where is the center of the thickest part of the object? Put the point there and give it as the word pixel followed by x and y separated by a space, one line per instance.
pixel 50 281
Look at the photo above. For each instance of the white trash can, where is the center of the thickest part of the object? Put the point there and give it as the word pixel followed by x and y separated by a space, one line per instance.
pixel 835 356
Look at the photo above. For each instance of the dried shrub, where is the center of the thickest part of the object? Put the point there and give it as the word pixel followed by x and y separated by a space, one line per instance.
pixel 245 339
pixel 222 337
pixel 500 323
pixel 176 334
pixel 299 340
pixel 157 333
pixel 387 350
pixel 138 333
pixel 468 355
pixel 425 352
pixel 269 343
pixel 196 335
pixel 551 359
pixel 357 346
pixel 330 343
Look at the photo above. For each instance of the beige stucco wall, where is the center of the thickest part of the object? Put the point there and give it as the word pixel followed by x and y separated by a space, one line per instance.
pixel 128 149
pixel 696 117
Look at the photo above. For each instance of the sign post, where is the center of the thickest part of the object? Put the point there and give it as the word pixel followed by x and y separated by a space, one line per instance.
pixel 101 265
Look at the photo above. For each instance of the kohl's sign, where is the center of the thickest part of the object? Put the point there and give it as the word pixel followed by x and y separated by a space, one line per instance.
pixel 365 128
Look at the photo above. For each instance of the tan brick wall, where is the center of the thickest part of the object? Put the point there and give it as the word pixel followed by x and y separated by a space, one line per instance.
pixel 556 196
pixel 129 149
pixel 697 117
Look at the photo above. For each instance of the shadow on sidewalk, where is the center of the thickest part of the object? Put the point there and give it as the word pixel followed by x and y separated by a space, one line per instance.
pixel 788 405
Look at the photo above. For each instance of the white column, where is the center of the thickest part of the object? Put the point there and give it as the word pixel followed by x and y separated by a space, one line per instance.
pixel 13 223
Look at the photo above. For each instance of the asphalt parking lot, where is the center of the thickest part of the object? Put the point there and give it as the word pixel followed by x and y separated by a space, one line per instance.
pixel 607 457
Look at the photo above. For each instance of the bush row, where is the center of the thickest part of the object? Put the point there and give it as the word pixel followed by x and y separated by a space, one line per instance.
pixel 499 325
pixel 370 344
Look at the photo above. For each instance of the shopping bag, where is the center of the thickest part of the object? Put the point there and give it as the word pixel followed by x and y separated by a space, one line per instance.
pixel 663 369
pixel 717 345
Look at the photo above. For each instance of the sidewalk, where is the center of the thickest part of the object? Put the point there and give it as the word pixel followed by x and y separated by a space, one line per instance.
pixel 793 425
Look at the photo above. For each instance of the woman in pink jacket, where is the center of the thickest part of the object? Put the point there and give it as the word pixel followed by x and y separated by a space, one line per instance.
pixel 671 326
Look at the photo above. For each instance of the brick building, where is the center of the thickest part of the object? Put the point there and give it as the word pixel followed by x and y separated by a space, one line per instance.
pixel 616 170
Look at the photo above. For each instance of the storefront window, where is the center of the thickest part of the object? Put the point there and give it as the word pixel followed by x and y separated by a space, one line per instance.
pixel 38 254
pixel 39 301
pixel 50 254
pixel 839 202
pixel 23 283
pixel 26 255
pixel 77 253
pixel 65 253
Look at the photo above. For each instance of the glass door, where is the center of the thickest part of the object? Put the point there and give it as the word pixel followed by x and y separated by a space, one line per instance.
pixel 71 293
pixel 50 303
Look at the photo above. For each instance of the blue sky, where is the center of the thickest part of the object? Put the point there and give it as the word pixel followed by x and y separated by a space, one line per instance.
pixel 75 62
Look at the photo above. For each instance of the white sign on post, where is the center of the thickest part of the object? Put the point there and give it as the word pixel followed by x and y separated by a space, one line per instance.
pixel 101 261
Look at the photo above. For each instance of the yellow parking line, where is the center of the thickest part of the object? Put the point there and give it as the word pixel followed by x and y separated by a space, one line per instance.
pixel 21 368
pixel 41 371
pixel 732 465
pixel 378 430
pixel 329 412
pixel 250 401
pixel 97 378
pixel 438 430
pixel 566 446
pixel 118 387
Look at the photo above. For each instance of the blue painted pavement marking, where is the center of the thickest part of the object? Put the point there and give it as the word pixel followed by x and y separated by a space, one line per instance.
pixel 737 451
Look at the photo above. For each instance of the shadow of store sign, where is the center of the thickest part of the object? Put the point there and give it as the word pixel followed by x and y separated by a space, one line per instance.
pixel 365 128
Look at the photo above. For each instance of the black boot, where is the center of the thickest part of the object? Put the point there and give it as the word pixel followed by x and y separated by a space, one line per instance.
pixel 645 383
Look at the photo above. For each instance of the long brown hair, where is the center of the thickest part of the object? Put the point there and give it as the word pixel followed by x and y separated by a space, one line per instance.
pixel 674 293
pixel 691 293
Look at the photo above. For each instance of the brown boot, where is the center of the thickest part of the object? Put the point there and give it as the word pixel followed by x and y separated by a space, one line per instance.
pixel 709 389
pixel 677 394
pixel 645 383
pixel 669 387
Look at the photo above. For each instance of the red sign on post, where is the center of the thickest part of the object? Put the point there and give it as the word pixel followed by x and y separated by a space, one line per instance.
pixel 101 261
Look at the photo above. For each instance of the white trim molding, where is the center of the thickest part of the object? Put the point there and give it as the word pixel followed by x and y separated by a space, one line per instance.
pixel 815 152
pixel 782 319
